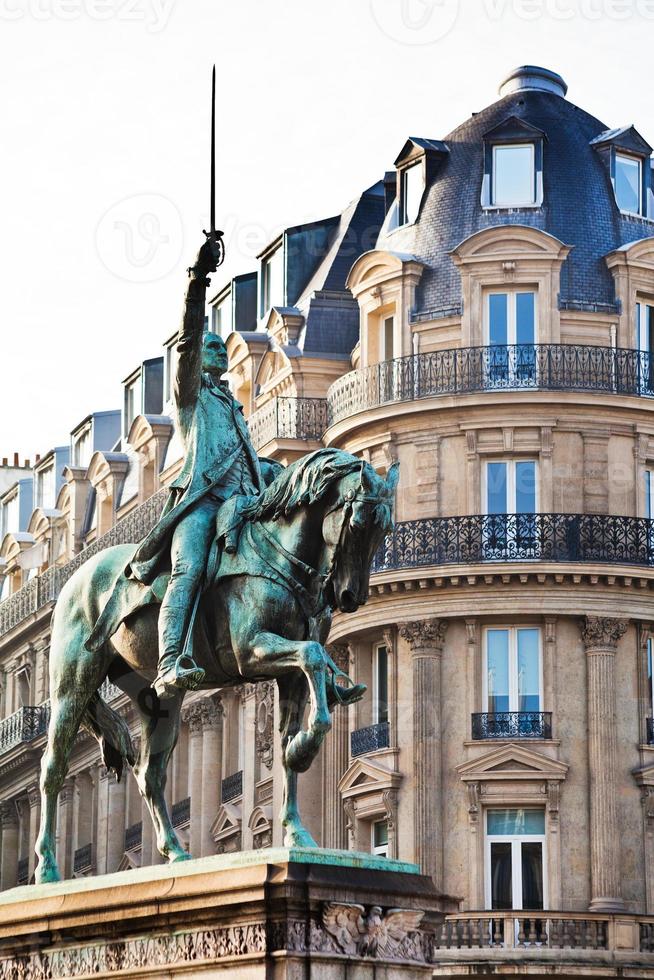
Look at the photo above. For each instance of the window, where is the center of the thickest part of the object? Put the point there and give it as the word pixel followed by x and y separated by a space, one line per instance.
pixel 387 339
pixel 511 487
pixel 82 448
pixel 272 293
pixel 628 183
pixel 412 185
pixel 512 679
pixel 510 333
pixel 514 175
pixel 649 494
pixel 510 529
pixel 45 488
pixel 132 403
pixel 171 364
pixel 379 838
pixel 515 858
pixel 222 317
pixel 380 684
pixel 10 515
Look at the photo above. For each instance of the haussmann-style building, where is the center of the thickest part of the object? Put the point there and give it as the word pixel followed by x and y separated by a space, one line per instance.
pixel 485 315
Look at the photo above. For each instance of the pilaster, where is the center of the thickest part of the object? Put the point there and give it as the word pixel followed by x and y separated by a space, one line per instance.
pixel 600 636
pixel 9 858
pixel 192 715
pixel 425 639
pixel 335 761
pixel 211 714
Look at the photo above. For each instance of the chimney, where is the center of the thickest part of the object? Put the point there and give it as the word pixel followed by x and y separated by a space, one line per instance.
pixel 4 460
pixel 16 463
pixel 27 463
pixel 37 458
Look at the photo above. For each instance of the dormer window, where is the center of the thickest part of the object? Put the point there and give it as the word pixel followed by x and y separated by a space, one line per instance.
pixel 272 280
pixel 514 175
pixel 132 403
pixel 629 183
pixel 82 448
pixel 412 185
pixel 45 487
pixel 513 165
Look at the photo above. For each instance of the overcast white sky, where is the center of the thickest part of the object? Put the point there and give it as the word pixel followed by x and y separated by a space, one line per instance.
pixel 104 158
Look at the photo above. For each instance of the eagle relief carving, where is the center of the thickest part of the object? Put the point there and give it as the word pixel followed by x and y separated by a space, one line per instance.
pixel 375 933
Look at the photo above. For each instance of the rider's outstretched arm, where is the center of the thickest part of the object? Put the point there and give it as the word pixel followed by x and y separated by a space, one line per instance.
pixel 189 343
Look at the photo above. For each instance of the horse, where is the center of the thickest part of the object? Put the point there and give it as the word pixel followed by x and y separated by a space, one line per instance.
pixel 305 546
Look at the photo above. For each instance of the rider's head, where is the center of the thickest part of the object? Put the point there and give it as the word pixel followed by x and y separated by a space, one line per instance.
pixel 214 354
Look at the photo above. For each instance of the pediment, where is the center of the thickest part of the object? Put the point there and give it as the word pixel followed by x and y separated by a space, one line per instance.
pixel 260 819
pixel 509 242
pixel 273 363
pixel 624 138
pixel 227 822
pixel 127 862
pixel 513 129
pixel 381 264
pixel 512 761
pixel 416 146
pixel 639 253
pixel 147 427
pixel 364 775
pixel 644 775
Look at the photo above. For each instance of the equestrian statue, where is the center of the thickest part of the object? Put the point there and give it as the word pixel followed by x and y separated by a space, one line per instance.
pixel 235 583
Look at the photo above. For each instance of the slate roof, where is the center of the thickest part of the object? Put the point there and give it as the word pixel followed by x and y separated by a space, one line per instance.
pixel 579 206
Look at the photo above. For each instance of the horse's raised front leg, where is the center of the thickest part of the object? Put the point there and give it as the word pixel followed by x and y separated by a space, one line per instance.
pixel 159 731
pixel 275 655
pixel 293 697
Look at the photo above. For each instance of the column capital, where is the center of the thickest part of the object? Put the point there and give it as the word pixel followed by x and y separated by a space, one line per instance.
pixel 424 636
pixel 8 814
pixel 67 793
pixel 602 633
pixel 193 715
pixel 211 713
pixel 340 654
pixel 33 795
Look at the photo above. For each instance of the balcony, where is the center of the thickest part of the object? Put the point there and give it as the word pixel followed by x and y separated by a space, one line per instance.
pixel 23 872
pixel 288 418
pixel 42 589
pixel 540 932
pixel 650 731
pixel 466 370
pixel 83 861
pixel 24 725
pixel 566 538
pixel 232 787
pixel 134 836
pixel 181 812
pixel 370 739
pixel 512 724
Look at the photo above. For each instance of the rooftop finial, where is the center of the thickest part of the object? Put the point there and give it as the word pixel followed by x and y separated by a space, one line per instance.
pixel 533 77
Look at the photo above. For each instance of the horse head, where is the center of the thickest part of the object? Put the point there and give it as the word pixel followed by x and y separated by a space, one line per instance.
pixel 353 528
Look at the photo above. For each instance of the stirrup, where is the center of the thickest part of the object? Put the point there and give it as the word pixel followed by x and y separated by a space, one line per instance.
pixel 174 677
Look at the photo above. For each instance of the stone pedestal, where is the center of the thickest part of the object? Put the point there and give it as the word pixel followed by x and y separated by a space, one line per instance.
pixel 283 913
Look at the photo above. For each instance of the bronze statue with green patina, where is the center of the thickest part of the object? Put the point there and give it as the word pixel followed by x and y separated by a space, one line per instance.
pixel 276 558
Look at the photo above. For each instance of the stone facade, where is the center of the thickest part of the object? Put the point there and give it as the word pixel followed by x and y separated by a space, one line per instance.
pixel 507 646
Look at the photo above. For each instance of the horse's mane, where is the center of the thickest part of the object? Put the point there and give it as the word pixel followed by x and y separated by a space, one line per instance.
pixel 305 481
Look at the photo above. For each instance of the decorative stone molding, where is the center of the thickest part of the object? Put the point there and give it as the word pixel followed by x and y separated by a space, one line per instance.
pixel 212 712
pixel 193 716
pixel 600 632
pixel 265 720
pixel 424 635
pixel 33 795
pixel 373 932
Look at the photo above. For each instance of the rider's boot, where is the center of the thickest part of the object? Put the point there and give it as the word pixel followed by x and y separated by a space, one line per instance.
pixel 175 671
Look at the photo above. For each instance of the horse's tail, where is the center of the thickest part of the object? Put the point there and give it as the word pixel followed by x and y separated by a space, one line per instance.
pixel 112 734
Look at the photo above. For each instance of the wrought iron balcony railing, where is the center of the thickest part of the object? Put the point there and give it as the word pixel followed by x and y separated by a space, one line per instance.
pixel 23 872
pixel 24 725
pixel 45 588
pixel 370 739
pixel 232 787
pixel 83 860
pixel 650 731
pixel 515 367
pixel 512 724
pixel 181 812
pixel 593 538
pixel 288 418
pixel 134 836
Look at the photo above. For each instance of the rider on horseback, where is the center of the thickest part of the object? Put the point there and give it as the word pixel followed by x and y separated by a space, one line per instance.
pixel 219 462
